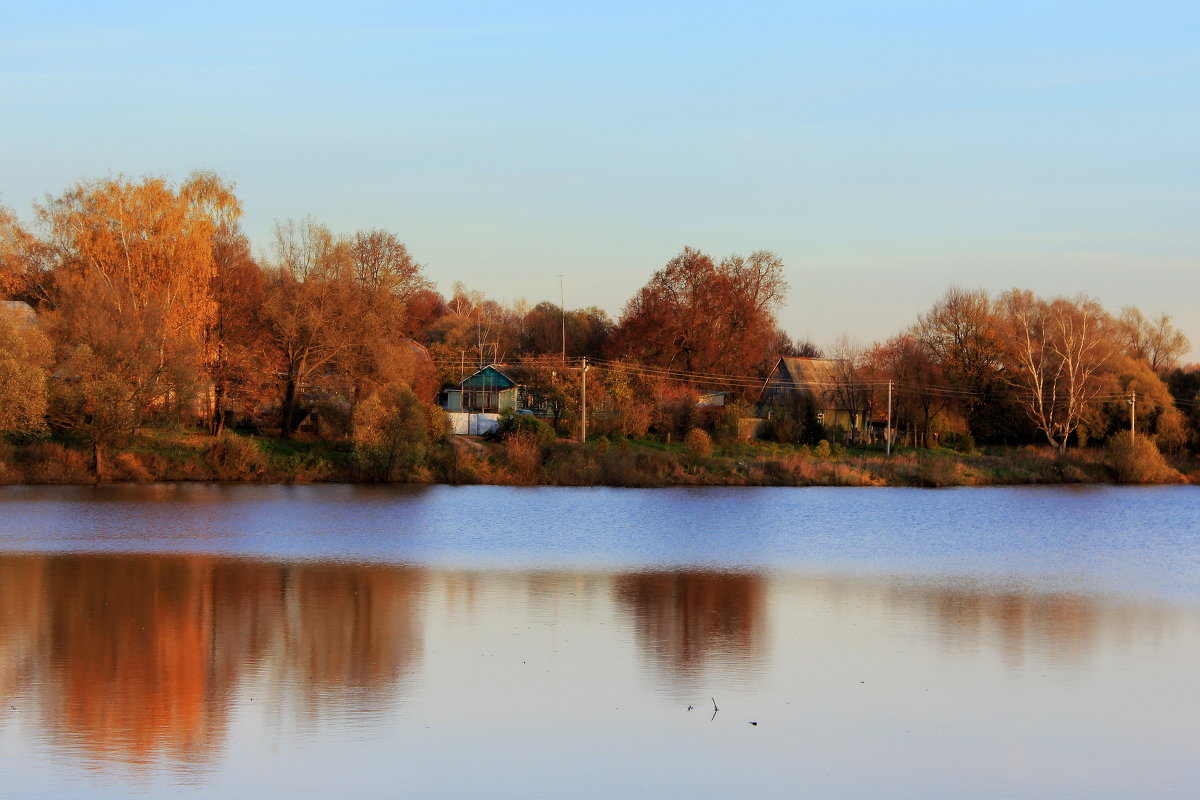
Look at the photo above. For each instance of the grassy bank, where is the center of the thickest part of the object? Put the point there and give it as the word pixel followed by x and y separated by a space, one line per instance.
pixel 189 456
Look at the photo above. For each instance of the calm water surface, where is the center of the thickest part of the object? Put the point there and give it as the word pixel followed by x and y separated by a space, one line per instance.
pixel 337 641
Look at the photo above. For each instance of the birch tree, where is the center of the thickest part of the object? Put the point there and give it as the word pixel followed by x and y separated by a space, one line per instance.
pixel 1058 349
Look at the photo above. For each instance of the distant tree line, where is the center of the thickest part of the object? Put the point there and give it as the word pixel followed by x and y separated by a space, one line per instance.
pixel 152 310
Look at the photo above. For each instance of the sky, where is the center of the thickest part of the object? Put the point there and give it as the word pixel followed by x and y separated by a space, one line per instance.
pixel 885 151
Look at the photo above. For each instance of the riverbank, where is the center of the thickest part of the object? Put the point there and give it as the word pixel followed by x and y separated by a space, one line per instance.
pixel 190 456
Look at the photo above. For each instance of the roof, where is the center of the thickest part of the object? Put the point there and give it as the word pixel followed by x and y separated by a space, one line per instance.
pixel 488 378
pixel 812 376
pixel 812 373
pixel 20 311
pixel 416 349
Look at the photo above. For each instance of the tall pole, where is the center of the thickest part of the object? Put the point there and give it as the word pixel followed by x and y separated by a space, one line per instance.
pixel 1133 413
pixel 562 306
pixel 583 404
pixel 889 421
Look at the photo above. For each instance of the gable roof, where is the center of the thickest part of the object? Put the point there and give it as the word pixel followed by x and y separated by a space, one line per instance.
pixel 814 377
pixel 488 378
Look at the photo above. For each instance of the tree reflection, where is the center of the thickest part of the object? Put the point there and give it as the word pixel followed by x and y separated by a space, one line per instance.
pixel 138 658
pixel 1052 626
pixel 689 621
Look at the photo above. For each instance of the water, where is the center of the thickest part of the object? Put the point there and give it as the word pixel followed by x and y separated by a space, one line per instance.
pixel 320 641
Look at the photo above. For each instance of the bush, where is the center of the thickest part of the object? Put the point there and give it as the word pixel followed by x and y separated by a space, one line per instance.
pixel 129 467
pixel 390 434
pixel 1136 459
pixel 523 452
pixel 936 471
pixel 822 450
pixel 513 424
pixel 960 442
pixel 698 443
pixel 53 463
pixel 232 457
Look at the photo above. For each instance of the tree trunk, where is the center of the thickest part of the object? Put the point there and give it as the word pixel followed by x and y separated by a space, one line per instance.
pixel 218 414
pixel 97 461
pixel 289 410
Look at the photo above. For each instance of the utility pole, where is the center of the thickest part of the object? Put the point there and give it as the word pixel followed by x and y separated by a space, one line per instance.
pixel 562 306
pixel 1133 413
pixel 583 404
pixel 889 421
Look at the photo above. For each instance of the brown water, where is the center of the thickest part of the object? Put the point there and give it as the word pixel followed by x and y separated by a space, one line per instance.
pixel 207 641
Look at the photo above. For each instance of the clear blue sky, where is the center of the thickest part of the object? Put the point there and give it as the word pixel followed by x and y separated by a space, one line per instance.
pixel 884 150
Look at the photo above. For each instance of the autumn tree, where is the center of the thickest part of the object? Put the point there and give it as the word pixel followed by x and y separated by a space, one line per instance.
pixel 473 333
pixel 237 338
pixel 1157 342
pixel 334 309
pixel 698 315
pixel 132 265
pixel 542 331
pixel 25 261
pixel 1057 350
pixel 383 266
pixel 963 337
pixel 919 393
pixel 25 354
pixel 1153 411
pixel 309 309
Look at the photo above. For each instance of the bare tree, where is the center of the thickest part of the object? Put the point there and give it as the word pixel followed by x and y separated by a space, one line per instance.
pixel 1058 349
pixel 309 309
pixel 383 265
pixel 852 388
pixel 1157 342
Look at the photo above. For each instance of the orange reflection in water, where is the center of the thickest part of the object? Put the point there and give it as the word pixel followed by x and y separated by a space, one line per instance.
pixel 688 621
pixel 136 658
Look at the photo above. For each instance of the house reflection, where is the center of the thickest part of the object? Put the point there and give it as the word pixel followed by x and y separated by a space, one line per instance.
pixel 138 658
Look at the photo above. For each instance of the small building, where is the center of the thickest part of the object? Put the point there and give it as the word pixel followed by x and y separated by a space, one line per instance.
pixel 819 383
pixel 714 399
pixel 475 405
pixel 488 391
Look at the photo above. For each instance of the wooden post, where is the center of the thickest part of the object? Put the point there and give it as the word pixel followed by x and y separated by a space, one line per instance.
pixel 889 420
pixel 583 404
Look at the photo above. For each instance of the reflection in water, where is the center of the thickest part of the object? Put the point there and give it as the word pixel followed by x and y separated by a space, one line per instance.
pixel 1049 626
pixel 134 658
pixel 687 621
pixel 141 660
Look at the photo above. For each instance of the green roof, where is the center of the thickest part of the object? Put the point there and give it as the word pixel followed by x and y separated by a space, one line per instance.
pixel 489 378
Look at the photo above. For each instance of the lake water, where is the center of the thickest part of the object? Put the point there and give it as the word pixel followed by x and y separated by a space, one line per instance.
pixel 477 642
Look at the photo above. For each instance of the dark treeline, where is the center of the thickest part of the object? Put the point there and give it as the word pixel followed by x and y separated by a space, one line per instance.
pixel 137 305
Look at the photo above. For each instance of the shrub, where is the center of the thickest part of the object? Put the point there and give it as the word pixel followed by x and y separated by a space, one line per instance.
pixel 936 471
pixel 1136 459
pixel 822 450
pixel 524 454
pixel 513 424
pixel 53 463
pixel 390 434
pixel 233 457
pixel 698 443
pixel 961 442
pixel 129 467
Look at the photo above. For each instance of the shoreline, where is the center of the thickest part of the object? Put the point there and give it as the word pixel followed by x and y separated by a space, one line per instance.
pixel 157 456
